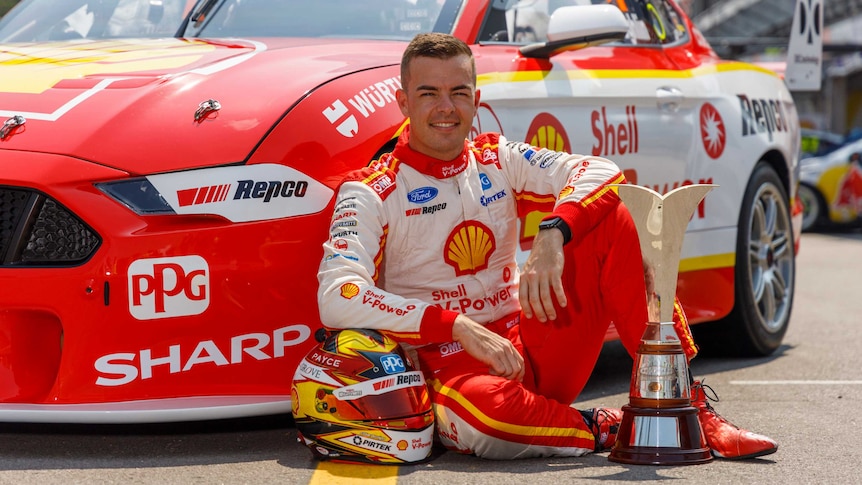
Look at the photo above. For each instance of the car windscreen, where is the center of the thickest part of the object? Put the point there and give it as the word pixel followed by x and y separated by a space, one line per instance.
pixel 372 19
pixel 49 20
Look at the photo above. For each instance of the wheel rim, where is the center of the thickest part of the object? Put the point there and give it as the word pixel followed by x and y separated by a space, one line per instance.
pixel 770 254
pixel 810 207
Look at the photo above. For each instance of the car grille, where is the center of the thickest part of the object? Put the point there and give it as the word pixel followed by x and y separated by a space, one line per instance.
pixel 36 230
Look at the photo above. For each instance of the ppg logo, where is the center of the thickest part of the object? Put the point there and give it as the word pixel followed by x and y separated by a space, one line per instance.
pixel 168 287
pixel 392 364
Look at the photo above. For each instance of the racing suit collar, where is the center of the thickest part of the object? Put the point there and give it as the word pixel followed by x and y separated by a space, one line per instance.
pixel 434 167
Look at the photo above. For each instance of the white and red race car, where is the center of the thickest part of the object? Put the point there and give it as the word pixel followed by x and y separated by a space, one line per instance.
pixel 167 171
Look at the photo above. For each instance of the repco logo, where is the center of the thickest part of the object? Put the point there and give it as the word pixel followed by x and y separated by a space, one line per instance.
pixel 408 379
pixel 249 189
pixel 168 287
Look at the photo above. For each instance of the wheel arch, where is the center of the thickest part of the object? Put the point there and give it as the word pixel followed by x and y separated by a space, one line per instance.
pixel 778 163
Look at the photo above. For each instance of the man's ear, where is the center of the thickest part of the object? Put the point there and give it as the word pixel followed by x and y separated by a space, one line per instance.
pixel 401 99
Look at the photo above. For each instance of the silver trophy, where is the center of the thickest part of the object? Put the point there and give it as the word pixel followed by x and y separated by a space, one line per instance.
pixel 659 425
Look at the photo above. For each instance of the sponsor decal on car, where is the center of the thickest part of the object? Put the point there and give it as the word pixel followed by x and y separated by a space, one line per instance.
pixel 168 287
pixel 762 116
pixel 121 368
pixel 712 130
pixel 364 104
pixel 547 131
pixel 254 192
pixel 485 121
pixel 611 139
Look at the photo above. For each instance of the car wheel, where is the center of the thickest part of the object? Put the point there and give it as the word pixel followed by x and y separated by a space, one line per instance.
pixel 813 207
pixel 764 275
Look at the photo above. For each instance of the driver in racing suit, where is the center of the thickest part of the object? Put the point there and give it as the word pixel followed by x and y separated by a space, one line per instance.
pixel 423 247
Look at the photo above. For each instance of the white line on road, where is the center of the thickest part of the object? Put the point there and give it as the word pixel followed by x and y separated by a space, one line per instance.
pixel 797 383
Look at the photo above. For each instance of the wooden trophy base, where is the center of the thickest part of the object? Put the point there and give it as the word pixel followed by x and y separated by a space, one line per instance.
pixel 660 436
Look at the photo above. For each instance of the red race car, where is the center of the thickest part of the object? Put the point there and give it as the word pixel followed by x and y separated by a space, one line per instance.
pixel 167 171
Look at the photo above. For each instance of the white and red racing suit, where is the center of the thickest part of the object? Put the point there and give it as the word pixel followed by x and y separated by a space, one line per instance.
pixel 414 241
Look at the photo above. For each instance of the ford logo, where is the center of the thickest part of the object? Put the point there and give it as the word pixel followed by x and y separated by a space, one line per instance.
pixel 422 195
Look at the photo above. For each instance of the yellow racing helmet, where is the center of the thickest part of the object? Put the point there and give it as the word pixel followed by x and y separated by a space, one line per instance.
pixel 357 397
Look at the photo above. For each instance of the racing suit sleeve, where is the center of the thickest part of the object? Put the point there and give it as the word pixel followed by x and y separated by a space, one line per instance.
pixel 581 184
pixel 348 295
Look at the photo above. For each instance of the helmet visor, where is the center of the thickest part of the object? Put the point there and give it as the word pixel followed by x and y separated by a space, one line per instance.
pixel 387 397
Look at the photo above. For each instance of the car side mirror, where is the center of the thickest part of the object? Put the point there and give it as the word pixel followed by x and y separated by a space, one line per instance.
pixel 576 27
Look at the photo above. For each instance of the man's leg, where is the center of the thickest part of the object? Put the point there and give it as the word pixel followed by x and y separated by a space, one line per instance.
pixel 497 418
pixel 604 281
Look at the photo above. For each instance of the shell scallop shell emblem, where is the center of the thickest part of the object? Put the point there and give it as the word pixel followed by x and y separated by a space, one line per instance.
pixel 469 247
pixel 349 290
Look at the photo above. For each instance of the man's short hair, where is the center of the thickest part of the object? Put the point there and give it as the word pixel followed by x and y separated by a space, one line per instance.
pixel 435 45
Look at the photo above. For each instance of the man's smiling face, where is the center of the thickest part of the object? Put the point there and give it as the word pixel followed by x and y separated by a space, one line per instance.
pixel 440 98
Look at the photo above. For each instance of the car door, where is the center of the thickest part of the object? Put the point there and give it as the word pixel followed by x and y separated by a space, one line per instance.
pixel 622 101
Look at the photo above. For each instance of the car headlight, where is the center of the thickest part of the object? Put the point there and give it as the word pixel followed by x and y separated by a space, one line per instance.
pixel 138 195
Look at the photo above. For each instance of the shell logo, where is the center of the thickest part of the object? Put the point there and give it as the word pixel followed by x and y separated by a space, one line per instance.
pixel 48 64
pixel 568 189
pixel 349 290
pixel 546 131
pixel 402 445
pixel 294 401
pixel 469 247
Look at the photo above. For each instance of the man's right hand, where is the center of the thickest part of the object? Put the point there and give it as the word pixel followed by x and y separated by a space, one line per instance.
pixel 486 346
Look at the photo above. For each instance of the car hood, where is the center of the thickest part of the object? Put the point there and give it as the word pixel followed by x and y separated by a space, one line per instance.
pixel 132 104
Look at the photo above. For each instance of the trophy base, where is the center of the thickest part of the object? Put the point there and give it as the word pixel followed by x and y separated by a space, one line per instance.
pixel 669 436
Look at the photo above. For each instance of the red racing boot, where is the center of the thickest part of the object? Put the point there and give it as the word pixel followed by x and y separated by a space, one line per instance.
pixel 605 424
pixel 724 438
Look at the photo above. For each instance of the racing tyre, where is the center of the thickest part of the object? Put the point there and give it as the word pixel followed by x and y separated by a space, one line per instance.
pixel 765 271
pixel 813 207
